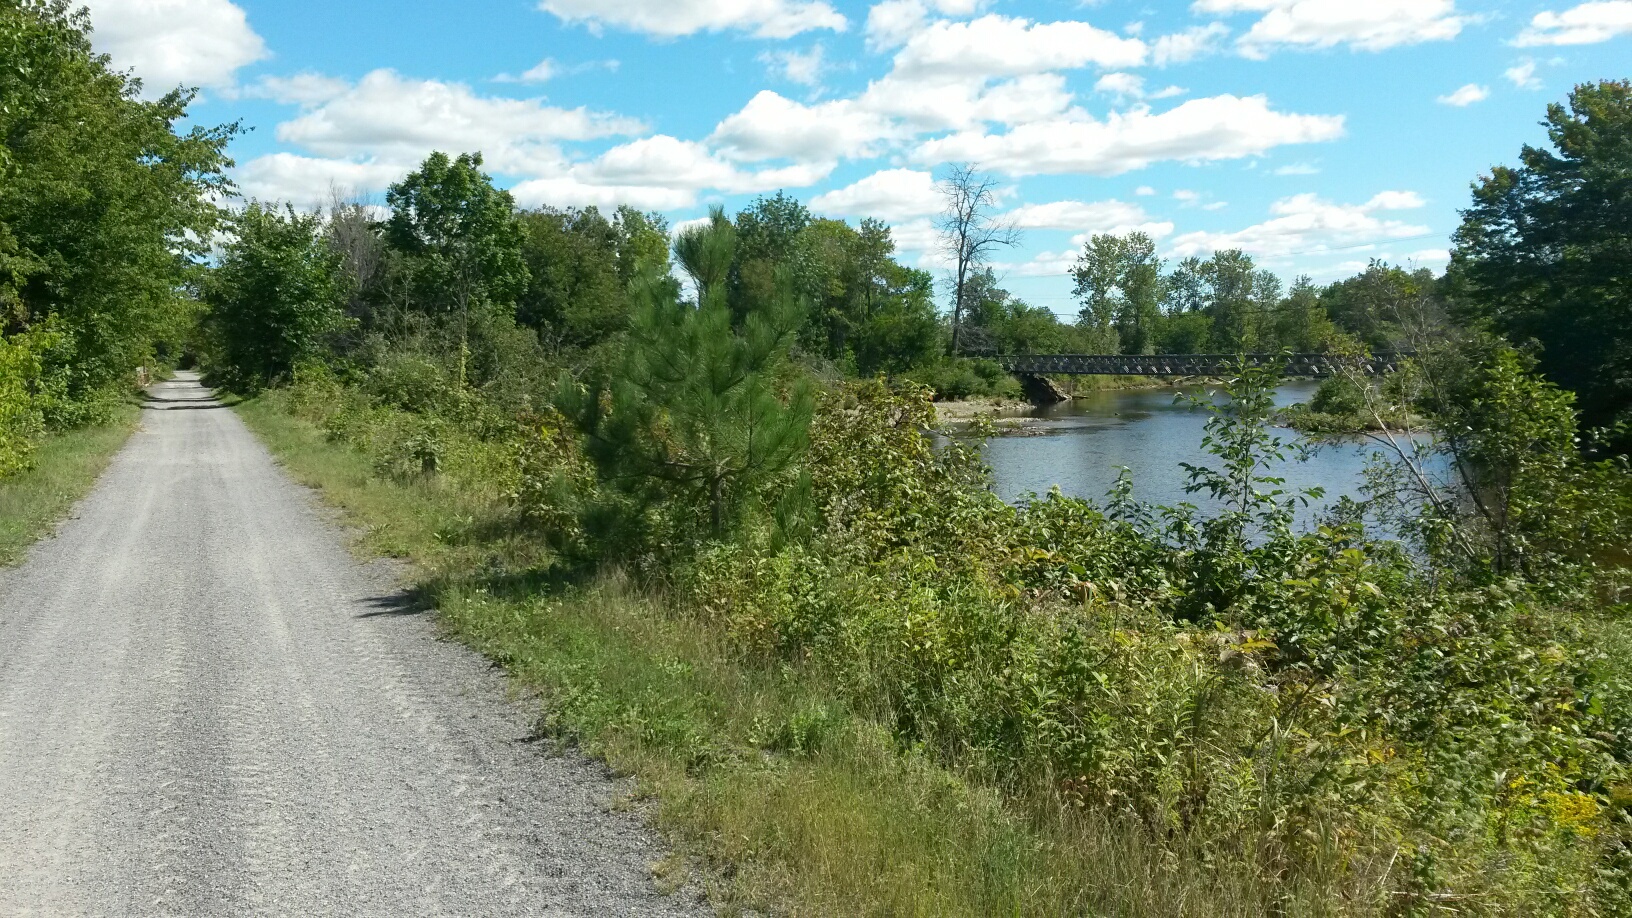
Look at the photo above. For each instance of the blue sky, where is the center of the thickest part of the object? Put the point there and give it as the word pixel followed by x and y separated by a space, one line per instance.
pixel 1315 134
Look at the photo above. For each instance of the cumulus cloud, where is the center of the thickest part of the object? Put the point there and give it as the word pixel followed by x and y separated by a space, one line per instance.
pixel 311 182
pixel 1216 128
pixel 1121 85
pixel 1368 26
pixel 892 22
pixel 1309 224
pixel 1089 218
pixel 541 72
pixel 1587 24
pixel 920 236
pixel 998 46
pixel 300 89
pixel 891 194
pixel 1466 96
pixel 674 18
pixel 669 162
pixel 1523 75
pixel 772 126
pixel 176 42
pixel 953 103
pixel 567 191
pixel 394 118
pixel 1298 169
pixel 1188 45
pixel 803 67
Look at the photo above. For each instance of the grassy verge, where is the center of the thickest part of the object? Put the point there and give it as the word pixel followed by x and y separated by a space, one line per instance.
pixel 777 794
pixel 65 468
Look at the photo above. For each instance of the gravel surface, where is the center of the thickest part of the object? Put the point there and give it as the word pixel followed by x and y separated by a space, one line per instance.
pixel 207 707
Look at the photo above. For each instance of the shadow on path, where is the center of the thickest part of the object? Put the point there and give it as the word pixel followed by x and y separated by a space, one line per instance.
pixel 407 602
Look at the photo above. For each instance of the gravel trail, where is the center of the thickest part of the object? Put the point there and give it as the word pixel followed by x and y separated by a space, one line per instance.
pixel 207 707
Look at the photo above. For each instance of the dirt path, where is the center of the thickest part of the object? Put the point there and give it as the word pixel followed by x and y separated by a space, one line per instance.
pixel 207 707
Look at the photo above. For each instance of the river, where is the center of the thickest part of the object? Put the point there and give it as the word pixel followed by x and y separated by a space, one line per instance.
pixel 1080 445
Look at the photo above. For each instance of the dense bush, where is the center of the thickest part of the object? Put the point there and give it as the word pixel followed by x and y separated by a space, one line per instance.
pixel 1329 705
pixel 21 421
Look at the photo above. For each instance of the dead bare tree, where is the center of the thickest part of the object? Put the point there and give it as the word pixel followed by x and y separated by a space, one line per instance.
pixel 970 232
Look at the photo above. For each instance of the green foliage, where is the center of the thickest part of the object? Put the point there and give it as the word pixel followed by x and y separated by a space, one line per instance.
pixel 274 298
pixel 1394 727
pixel 104 207
pixel 21 421
pixel 462 244
pixel 952 378
pixel 697 416
pixel 1380 305
pixel 1214 683
pixel 1541 253
pixel 1119 280
pixel 580 265
pixel 1536 507
pixel 1226 305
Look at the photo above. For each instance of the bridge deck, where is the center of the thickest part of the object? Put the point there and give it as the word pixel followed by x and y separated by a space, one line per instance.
pixel 1192 364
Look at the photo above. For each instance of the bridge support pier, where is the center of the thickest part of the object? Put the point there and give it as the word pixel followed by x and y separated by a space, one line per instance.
pixel 1040 390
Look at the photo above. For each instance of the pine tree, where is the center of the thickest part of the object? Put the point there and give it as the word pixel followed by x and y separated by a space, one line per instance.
pixel 698 415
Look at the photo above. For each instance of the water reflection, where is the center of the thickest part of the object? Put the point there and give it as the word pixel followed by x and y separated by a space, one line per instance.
pixel 1080 445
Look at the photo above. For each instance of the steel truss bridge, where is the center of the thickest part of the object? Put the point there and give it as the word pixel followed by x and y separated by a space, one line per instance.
pixel 1194 364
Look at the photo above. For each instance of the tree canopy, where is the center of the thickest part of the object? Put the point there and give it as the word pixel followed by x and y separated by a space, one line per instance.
pixel 1544 254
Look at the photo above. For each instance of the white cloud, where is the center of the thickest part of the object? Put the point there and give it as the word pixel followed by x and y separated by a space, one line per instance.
pixel 1396 200
pixel 1187 197
pixel 674 18
pixel 1121 85
pixel 1298 169
pixel 772 126
pixel 921 237
pixel 1586 24
pixel 997 46
pixel 1308 224
pixel 1089 218
pixel 892 22
pixel 394 118
pixel 566 191
pixel 803 67
pixel 176 42
pixel 1221 127
pixel 892 194
pixel 1523 75
pixel 1144 191
pixel 301 89
pixel 1192 43
pixel 1372 25
pixel 947 103
pixel 668 162
pixel 309 182
pixel 1466 96
pixel 541 72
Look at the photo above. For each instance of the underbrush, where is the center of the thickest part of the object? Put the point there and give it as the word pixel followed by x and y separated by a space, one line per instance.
pixel 926 701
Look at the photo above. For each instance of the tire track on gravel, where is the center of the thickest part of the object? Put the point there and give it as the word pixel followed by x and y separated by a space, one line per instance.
pixel 203 711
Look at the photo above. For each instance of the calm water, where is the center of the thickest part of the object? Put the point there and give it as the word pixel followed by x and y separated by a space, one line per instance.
pixel 1081 444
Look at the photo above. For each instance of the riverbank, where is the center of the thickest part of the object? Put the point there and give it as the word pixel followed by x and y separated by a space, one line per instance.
pixel 1017 417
